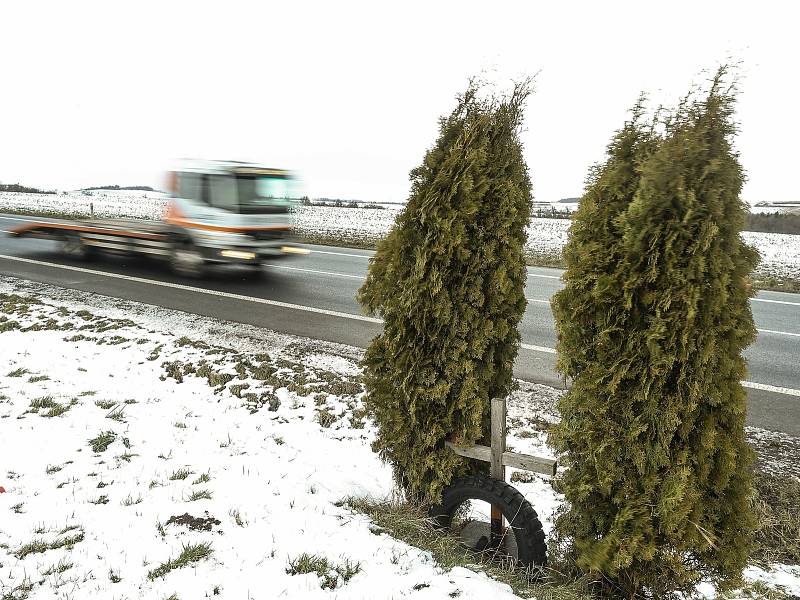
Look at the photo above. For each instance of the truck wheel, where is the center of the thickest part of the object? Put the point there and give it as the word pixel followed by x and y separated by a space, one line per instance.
pixel 186 261
pixel 465 510
pixel 73 246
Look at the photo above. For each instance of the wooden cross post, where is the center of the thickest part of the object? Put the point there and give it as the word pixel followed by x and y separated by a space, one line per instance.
pixel 496 468
pixel 498 459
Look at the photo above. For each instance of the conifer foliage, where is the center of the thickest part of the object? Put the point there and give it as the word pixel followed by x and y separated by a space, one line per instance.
pixel 651 326
pixel 448 281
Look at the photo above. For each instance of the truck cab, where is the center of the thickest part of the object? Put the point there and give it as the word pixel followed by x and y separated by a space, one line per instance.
pixel 229 212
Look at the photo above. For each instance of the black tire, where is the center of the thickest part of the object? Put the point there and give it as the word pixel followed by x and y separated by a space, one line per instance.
pixel 522 519
pixel 73 246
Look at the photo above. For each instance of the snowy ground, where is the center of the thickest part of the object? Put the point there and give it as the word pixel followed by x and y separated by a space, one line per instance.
pixel 255 436
pixel 131 436
pixel 127 204
pixel 359 226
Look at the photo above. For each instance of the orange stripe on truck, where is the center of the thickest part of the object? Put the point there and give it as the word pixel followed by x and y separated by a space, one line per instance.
pixel 85 228
pixel 194 225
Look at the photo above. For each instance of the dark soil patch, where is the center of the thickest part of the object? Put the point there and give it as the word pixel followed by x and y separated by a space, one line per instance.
pixel 194 523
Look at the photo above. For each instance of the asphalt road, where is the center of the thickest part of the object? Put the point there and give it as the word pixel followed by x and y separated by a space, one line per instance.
pixel 313 296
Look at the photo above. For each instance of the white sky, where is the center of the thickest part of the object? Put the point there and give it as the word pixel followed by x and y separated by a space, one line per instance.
pixel 348 94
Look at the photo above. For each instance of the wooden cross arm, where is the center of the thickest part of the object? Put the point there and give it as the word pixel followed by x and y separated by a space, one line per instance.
pixel 526 462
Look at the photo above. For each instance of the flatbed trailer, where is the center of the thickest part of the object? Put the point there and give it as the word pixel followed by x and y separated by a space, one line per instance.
pixel 228 213
pixel 80 239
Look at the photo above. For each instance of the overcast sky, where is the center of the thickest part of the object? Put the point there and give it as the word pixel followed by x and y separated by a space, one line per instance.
pixel 348 94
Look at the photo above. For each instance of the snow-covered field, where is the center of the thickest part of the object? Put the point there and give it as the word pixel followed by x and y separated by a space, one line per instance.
pixel 104 203
pixel 359 226
pixel 148 453
pixel 127 442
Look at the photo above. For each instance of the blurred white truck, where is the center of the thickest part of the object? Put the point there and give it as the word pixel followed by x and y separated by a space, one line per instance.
pixel 219 212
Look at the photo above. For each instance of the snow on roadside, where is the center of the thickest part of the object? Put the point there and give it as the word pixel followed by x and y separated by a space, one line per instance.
pixel 130 434
pixel 195 445
pixel 104 203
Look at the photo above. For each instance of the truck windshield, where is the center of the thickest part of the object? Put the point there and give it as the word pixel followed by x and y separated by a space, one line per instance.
pixel 260 194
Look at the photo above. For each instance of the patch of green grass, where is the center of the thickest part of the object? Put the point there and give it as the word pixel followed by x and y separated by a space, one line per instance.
pixel 204 478
pixel 78 338
pixel 19 592
pixel 101 500
pixel 155 352
pixel 180 424
pixel 51 407
pixel 8 325
pixel 89 393
pixel 130 500
pixel 199 495
pixel 117 414
pixel 237 517
pixel 69 528
pixel 329 572
pixel 17 508
pixel 126 456
pixel 176 369
pixel 58 410
pixel 185 341
pixel 410 524
pixel 113 576
pixel 237 389
pixel 61 567
pixel 325 417
pixel 38 378
pixel 52 469
pixel 18 372
pixel 67 541
pixel 39 403
pixel 104 404
pixel 102 441
pixel 38 546
pixel 775 504
pixel 180 474
pixel 191 553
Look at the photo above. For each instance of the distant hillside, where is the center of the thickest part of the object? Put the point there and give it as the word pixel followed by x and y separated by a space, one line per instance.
pixel 133 188
pixel 15 187
pixel 569 200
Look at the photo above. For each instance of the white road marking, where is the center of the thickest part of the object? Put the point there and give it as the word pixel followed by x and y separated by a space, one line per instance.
pixel 542 276
pixel 775 301
pixel 341 254
pixel 538 300
pixel 778 332
pixel 189 288
pixel 771 388
pixel 315 271
pixel 538 348
pixel 368 256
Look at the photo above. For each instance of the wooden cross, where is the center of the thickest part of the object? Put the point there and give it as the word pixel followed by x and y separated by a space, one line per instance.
pixel 499 458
